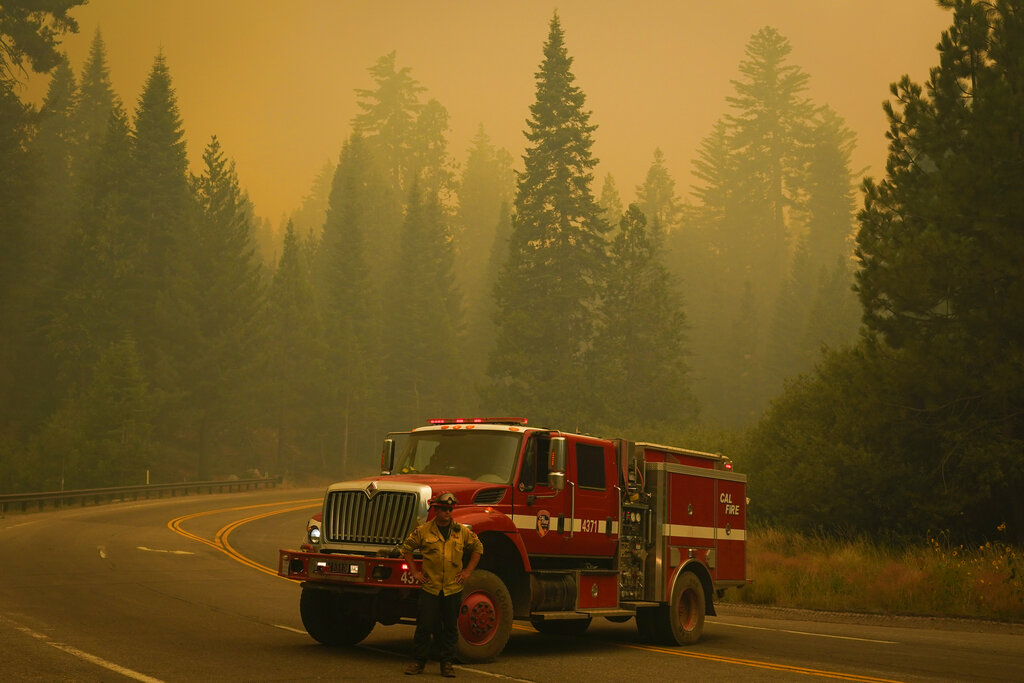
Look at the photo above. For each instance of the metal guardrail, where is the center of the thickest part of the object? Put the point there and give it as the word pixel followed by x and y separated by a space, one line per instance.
pixel 82 497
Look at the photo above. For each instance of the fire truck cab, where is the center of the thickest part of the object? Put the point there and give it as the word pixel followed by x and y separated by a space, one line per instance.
pixel 573 527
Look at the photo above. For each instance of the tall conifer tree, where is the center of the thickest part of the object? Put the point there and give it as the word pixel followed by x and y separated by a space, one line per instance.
pixel 160 203
pixel 656 198
pixel 641 350
pixel 485 193
pixel 350 300
pixel 96 101
pixel 547 292
pixel 424 318
pixel 296 365
pixel 941 248
pixel 220 261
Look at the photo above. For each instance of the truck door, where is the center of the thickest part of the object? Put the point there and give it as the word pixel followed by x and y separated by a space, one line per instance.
pixel 574 521
pixel 591 468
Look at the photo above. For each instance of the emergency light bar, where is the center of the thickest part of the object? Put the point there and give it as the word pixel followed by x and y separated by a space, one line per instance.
pixel 477 420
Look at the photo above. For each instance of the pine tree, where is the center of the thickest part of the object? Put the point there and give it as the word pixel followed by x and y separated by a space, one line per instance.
pixel 940 247
pixel 19 169
pixel 31 32
pixel 389 117
pixel 775 179
pixel 547 291
pixel 610 201
pixel 159 203
pixel 101 436
pixel 93 289
pixel 158 281
pixel 429 161
pixel 769 134
pixel 830 206
pixel 423 318
pixel 295 389
pixel 922 417
pixel 309 218
pixel 657 199
pixel 221 294
pixel 350 300
pixel 96 101
pixel 29 35
pixel 485 193
pixel 642 346
pixel 54 145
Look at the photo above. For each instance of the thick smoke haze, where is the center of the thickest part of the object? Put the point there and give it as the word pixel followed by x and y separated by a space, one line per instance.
pixel 275 80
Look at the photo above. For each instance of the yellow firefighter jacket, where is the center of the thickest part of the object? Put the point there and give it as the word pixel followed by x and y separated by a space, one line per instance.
pixel 442 560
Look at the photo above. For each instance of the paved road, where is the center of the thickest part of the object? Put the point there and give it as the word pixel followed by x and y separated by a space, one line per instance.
pixel 184 589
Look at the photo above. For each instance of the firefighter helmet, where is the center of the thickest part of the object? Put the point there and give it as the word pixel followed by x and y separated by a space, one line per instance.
pixel 446 499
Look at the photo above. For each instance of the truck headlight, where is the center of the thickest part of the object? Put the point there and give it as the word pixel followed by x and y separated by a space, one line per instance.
pixel 313 533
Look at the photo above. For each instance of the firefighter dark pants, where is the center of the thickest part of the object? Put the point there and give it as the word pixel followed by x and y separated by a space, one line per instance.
pixel 438 617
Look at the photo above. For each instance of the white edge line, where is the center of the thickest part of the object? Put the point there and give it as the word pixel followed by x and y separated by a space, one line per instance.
pixel 75 652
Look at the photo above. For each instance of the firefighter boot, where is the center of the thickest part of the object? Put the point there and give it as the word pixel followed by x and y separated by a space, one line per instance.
pixel 447 670
pixel 415 668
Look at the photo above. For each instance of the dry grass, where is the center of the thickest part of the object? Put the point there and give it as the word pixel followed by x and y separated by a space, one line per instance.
pixel 935 578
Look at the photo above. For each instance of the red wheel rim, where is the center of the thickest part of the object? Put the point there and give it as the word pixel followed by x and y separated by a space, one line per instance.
pixel 478 618
pixel 688 610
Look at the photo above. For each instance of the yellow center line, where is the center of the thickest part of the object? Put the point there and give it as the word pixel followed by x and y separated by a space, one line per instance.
pixel 220 540
pixel 758 664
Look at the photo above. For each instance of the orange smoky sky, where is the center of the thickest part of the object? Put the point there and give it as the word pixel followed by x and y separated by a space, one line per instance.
pixel 275 80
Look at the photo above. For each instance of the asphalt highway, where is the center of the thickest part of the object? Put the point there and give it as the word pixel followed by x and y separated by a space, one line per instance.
pixel 185 589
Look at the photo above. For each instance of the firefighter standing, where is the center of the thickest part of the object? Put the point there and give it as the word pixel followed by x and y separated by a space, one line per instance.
pixel 442 543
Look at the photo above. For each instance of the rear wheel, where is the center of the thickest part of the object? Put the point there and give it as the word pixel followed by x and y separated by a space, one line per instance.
pixel 333 619
pixel 485 617
pixel 681 622
pixel 561 627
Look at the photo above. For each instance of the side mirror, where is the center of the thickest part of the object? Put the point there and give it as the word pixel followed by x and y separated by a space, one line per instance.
pixel 556 463
pixel 387 456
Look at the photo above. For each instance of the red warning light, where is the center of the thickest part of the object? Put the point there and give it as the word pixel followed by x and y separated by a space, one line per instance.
pixel 477 420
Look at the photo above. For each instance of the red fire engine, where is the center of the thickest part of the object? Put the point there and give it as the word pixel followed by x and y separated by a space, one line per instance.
pixel 573 527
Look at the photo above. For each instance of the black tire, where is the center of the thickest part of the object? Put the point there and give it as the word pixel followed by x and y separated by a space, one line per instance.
pixel 332 620
pixel 621 619
pixel 485 617
pixel 681 622
pixel 561 627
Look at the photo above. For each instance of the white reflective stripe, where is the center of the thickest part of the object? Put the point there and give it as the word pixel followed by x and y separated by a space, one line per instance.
pixel 530 522
pixel 688 531
pixel 703 532
pixel 524 521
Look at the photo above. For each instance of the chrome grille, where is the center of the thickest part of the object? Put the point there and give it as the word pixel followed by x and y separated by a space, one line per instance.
pixel 385 519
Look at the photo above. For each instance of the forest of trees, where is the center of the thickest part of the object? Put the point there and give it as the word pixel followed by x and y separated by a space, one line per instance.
pixel 154 326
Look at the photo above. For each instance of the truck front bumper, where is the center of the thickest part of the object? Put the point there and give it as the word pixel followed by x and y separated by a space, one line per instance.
pixel 352 569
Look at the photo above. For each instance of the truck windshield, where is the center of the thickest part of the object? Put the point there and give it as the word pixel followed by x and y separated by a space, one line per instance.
pixel 481 455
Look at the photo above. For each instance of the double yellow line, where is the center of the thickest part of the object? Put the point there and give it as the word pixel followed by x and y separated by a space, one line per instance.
pixel 220 540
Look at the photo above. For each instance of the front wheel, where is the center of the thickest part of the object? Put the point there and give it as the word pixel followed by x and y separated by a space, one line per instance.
pixel 485 617
pixel 332 619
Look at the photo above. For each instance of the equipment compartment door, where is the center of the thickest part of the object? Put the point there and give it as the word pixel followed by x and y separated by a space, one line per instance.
pixel 730 530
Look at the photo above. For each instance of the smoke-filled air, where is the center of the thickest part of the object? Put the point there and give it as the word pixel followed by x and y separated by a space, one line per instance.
pixel 256 237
